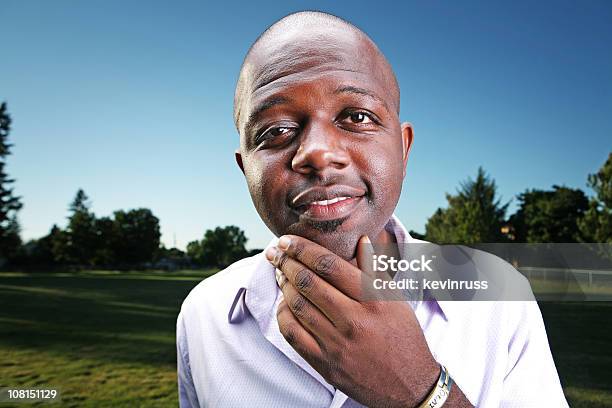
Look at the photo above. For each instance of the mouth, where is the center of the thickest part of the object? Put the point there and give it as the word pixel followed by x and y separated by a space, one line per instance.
pixel 327 203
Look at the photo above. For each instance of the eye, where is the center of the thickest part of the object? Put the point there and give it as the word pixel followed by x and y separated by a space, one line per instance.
pixel 274 135
pixel 358 120
pixel 277 131
pixel 359 117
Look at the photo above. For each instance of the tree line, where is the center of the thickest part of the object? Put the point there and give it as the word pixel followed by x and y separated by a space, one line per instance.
pixel 131 238
pixel 475 213
pixel 127 239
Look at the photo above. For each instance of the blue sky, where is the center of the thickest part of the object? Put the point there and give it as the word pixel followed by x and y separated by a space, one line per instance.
pixel 132 101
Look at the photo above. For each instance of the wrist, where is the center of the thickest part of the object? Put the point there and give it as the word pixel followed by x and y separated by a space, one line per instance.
pixel 438 396
pixel 429 381
pixel 419 388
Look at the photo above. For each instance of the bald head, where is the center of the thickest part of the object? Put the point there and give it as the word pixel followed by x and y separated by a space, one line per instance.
pixel 309 41
pixel 317 110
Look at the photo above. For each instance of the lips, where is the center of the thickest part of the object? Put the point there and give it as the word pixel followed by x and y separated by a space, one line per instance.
pixel 327 203
pixel 330 202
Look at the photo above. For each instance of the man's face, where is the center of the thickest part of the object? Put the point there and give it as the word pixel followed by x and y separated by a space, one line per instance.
pixel 321 145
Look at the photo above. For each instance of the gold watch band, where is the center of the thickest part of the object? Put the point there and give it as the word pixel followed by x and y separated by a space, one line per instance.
pixel 438 396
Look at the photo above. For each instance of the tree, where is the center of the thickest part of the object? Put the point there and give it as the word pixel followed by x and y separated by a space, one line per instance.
pixel 219 247
pixel 106 242
pixel 40 253
pixel 194 252
pixel 81 232
pixel 10 204
pixel 59 239
pixel 549 216
pixel 129 238
pixel 596 225
pixel 137 236
pixel 474 214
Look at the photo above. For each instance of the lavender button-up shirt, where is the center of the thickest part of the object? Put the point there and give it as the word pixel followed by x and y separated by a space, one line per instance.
pixel 232 354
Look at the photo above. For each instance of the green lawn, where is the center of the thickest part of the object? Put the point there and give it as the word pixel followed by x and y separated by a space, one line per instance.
pixel 580 336
pixel 104 339
pixel 107 339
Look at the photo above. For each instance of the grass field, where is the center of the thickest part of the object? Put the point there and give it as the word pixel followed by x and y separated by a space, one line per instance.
pixel 107 339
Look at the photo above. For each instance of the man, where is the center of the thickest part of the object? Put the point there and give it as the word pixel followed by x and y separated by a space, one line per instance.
pixel 324 156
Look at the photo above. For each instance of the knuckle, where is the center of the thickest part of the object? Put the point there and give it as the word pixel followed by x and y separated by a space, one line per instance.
pixel 349 331
pixel 289 332
pixel 304 280
pixel 324 265
pixel 281 260
pixel 297 305
pixel 337 360
pixel 353 328
pixel 298 249
pixel 327 298
pixel 332 371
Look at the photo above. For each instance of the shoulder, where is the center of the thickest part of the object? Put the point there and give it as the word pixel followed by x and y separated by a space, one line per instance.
pixel 507 283
pixel 500 280
pixel 506 308
pixel 507 302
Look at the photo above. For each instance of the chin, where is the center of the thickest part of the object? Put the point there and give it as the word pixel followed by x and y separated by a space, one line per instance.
pixel 332 235
pixel 343 246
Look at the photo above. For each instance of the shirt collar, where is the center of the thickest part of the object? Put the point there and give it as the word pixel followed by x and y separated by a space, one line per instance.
pixel 260 292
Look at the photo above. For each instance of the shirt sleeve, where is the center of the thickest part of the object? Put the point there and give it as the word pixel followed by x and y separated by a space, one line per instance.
pixel 531 377
pixel 186 388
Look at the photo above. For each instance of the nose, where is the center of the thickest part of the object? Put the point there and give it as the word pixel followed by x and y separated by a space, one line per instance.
pixel 320 149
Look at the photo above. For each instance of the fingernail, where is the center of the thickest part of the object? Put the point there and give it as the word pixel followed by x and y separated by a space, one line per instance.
pixel 366 239
pixel 280 278
pixel 284 242
pixel 271 253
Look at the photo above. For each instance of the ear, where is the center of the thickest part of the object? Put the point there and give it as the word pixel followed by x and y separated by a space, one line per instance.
pixel 238 157
pixel 407 138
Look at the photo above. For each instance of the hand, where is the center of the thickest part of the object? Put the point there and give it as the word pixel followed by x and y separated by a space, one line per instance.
pixel 374 351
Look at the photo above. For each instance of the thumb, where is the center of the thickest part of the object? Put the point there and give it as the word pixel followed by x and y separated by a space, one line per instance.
pixel 365 262
pixel 365 255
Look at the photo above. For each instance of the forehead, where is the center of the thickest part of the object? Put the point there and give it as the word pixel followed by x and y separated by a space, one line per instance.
pixel 294 57
pixel 294 51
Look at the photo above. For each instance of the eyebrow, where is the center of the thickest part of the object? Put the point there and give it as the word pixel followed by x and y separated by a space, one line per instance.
pixel 263 106
pixel 361 91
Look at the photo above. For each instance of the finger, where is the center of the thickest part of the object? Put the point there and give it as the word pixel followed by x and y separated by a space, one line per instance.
pixel 329 266
pixel 329 300
pixel 296 335
pixel 365 255
pixel 311 318
pixel 365 261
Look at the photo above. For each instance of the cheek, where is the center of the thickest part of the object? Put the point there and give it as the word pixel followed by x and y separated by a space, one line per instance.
pixel 384 166
pixel 266 182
